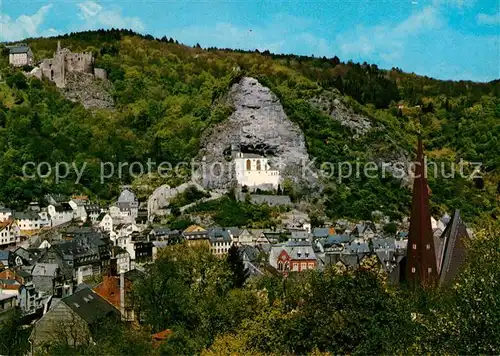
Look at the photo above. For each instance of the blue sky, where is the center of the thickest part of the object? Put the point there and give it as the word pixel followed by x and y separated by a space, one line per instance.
pixel 446 39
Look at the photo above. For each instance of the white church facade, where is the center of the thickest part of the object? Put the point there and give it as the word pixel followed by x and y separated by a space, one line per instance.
pixel 254 171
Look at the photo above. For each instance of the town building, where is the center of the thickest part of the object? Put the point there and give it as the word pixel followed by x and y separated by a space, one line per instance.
pixel 9 233
pixel 115 288
pixel 72 320
pixel 292 256
pixel 220 241
pixel 83 257
pixel 30 222
pixel 105 222
pixel 7 302
pixel 122 257
pixel 48 279
pixel 164 234
pixel 20 55
pixel 60 213
pixel 250 256
pixel 5 214
pixel 196 235
pixel 128 206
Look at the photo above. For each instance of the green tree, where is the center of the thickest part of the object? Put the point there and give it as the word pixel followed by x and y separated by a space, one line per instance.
pixel 13 335
pixel 240 272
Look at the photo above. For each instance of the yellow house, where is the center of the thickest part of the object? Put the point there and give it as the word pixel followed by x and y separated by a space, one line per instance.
pixel 196 235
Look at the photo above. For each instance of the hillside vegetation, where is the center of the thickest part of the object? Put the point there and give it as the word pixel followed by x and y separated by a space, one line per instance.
pixel 167 94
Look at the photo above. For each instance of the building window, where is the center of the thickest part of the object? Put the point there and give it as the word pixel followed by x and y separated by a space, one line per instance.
pixel 414 246
pixel 249 165
pixel 258 165
pixel 413 270
pixel 429 269
pixel 428 246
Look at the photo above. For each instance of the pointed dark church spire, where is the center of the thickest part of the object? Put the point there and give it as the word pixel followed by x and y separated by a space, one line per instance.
pixel 421 259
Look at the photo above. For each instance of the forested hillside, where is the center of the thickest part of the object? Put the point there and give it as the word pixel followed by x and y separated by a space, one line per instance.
pixel 167 94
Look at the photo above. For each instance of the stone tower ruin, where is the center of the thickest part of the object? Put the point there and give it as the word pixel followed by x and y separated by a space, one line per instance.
pixel 64 61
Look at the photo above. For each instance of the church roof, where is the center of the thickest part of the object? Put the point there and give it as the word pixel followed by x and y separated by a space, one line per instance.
pixel 452 252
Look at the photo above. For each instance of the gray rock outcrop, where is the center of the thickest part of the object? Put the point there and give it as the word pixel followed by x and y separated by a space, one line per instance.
pixel 258 125
pixel 90 92
pixel 333 105
pixel 159 200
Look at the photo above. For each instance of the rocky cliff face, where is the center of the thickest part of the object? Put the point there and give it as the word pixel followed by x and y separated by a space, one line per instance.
pixel 92 93
pixel 332 104
pixel 258 125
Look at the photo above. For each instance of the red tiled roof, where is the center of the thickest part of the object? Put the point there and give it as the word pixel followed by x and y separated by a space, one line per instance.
pixel 162 335
pixel 10 286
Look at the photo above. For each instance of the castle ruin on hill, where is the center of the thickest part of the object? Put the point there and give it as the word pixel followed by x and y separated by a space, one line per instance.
pixel 64 62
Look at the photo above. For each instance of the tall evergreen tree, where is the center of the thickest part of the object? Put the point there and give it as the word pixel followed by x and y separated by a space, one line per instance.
pixel 240 273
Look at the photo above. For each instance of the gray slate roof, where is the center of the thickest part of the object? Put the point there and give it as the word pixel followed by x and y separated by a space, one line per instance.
pixel 18 49
pixel 218 234
pixel 4 255
pixel 337 239
pixel 27 215
pixel 384 244
pixel 357 248
pixel 235 231
pixel 321 232
pixel 90 306
pixel 45 269
pixel 251 252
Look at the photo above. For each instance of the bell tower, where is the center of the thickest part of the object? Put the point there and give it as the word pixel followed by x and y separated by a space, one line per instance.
pixel 421 259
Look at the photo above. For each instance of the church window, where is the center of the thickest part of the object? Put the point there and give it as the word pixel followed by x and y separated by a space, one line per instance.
pixel 249 165
pixel 258 165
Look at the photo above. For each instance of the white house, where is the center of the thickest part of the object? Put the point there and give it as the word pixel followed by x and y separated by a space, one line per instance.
pixel 9 233
pixel 254 171
pixel 5 214
pixel 92 211
pixel 126 209
pixel 105 222
pixel 220 241
pixel 60 213
pixel 29 221
pixel 245 239
pixel 127 244
pixel 20 55
pixel 78 207
pixel 122 259
pixel 124 230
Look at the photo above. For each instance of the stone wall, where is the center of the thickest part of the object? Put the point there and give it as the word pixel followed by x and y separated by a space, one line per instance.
pixel 100 73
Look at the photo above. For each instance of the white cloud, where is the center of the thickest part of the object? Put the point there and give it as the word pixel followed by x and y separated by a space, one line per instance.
pixel 388 42
pixel 460 4
pixel 485 19
pixel 24 26
pixel 96 16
